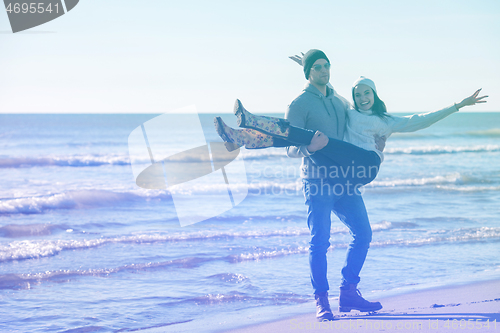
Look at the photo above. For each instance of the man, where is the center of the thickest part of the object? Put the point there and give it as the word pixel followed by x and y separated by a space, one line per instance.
pixel 320 108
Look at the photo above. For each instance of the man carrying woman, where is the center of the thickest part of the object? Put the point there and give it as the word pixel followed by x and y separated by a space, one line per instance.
pixel 315 125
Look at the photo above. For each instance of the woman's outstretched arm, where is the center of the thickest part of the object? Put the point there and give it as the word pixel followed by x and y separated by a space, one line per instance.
pixel 471 100
pixel 420 121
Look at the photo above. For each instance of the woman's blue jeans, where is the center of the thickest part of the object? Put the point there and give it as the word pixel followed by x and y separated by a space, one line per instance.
pixel 322 197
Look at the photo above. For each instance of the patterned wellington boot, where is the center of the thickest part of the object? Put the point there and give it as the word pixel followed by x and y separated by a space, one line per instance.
pixel 236 138
pixel 269 125
pixel 351 299
pixel 323 310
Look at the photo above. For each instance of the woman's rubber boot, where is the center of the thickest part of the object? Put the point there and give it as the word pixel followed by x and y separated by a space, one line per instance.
pixel 236 138
pixel 351 299
pixel 269 125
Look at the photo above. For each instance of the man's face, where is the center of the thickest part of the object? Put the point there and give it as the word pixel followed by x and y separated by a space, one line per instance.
pixel 319 75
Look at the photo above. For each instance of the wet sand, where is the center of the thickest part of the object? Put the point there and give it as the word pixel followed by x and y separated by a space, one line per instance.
pixel 467 308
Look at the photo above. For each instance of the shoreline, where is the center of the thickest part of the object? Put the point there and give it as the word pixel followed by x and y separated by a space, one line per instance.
pixel 473 307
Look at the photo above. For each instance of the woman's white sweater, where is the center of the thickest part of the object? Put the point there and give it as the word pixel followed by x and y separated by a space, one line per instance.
pixel 363 125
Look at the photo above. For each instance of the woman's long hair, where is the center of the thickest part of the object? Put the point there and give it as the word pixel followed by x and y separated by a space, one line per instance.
pixel 379 109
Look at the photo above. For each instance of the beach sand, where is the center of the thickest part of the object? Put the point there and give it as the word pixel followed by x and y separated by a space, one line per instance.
pixel 467 308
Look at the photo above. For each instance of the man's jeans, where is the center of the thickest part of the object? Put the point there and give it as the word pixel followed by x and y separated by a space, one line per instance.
pixel 322 197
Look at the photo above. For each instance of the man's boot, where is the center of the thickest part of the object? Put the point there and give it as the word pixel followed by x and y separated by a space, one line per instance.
pixel 351 299
pixel 323 311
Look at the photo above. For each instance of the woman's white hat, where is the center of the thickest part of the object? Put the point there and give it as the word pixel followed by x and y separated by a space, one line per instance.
pixel 365 81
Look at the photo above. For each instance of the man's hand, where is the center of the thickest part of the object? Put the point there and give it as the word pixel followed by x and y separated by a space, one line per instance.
pixel 379 142
pixel 297 58
pixel 319 141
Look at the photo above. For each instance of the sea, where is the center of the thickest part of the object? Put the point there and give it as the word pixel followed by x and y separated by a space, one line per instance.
pixel 83 248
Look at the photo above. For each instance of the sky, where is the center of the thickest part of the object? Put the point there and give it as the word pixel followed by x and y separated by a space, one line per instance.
pixel 123 56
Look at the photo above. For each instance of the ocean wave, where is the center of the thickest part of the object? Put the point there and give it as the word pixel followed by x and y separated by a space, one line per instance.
pixel 74 200
pixel 275 299
pixel 89 199
pixel 458 235
pixel 434 150
pixel 13 281
pixel 63 161
pixel 271 187
pixel 267 254
pixel 454 181
pixel 27 281
pixel 453 178
pixel 260 187
pixel 229 278
pixel 491 133
pixel 34 249
pixel 256 154
pixel 488 133
pixel 24 281
pixel 469 189
pixel 95 160
pixel 273 154
pixel 29 230
pixel 414 136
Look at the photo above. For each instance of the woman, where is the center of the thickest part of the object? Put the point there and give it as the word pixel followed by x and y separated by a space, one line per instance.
pixel 358 150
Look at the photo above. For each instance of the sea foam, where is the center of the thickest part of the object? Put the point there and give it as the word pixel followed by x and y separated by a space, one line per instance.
pixel 63 161
pixel 432 150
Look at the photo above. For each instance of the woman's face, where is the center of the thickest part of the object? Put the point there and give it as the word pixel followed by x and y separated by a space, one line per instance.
pixel 363 96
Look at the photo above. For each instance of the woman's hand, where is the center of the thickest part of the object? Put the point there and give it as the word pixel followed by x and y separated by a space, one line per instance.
pixel 471 100
pixel 297 58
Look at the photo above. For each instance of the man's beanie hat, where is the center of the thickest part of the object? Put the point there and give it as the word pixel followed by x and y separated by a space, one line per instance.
pixel 310 58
